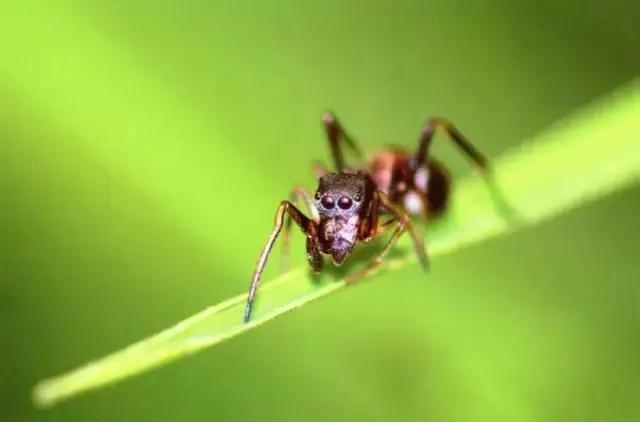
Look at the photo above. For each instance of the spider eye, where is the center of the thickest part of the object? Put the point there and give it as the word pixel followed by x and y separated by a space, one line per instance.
pixel 327 202
pixel 344 202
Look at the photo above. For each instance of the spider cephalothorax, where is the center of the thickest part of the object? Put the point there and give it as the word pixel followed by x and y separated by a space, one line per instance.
pixel 344 202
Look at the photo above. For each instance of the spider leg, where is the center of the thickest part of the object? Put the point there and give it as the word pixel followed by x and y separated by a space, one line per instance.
pixel 403 222
pixel 335 134
pixel 307 226
pixel 405 219
pixel 400 228
pixel 319 169
pixel 387 223
pixel 421 157
pixel 298 193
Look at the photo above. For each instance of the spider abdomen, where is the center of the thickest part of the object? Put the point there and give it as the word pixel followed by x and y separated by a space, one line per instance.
pixel 421 192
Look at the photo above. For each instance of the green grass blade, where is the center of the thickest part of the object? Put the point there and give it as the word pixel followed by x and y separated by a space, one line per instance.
pixel 581 158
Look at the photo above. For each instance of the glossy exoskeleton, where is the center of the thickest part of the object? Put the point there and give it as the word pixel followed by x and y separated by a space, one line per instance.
pixel 349 202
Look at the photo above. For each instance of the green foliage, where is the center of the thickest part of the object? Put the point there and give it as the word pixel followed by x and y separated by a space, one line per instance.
pixel 557 170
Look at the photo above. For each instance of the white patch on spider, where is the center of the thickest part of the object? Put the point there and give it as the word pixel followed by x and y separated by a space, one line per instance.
pixel 345 231
pixel 421 179
pixel 413 203
pixel 349 231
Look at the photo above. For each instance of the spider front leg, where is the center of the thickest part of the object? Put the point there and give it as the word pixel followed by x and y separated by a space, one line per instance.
pixel 307 226
pixel 403 224
pixel 298 193
pixel 336 134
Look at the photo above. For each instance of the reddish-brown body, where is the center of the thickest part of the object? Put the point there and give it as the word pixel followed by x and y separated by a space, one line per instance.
pixel 421 191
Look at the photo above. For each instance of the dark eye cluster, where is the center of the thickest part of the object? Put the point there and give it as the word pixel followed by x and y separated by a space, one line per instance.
pixel 344 202
pixel 327 202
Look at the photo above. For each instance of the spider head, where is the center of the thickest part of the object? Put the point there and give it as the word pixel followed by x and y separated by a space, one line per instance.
pixel 343 200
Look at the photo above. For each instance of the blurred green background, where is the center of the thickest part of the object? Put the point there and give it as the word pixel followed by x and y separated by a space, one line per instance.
pixel 145 145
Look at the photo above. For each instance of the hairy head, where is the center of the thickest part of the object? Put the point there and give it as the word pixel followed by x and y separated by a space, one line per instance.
pixel 342 195
pixel 342 199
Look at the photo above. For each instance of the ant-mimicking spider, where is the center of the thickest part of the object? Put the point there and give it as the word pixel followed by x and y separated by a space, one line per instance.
pixel 347 204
